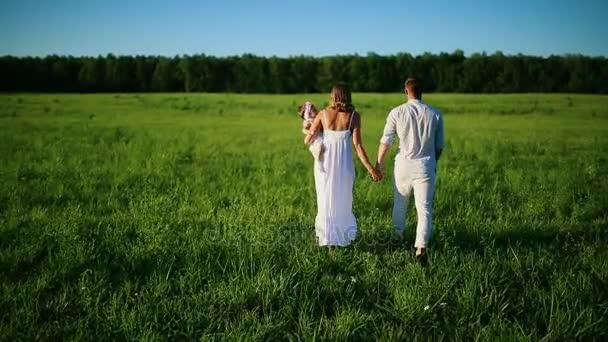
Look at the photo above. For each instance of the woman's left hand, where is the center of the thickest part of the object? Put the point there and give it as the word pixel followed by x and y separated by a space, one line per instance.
pixel 376 174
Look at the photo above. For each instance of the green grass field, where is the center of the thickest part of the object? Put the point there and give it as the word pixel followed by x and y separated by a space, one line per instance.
pixel 174 216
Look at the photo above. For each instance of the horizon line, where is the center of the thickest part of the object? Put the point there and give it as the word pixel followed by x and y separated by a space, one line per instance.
pixel 355 54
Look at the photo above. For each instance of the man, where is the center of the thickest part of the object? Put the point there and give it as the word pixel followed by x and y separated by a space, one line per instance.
pixel 420 131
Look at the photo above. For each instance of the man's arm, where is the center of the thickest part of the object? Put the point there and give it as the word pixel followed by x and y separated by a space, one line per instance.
pixel 388 135
pixel 439 143
pixel 382 151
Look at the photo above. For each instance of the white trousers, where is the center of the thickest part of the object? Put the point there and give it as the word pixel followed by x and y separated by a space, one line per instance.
pixel 417 176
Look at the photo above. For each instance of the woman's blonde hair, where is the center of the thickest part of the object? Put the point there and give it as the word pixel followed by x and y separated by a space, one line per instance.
pixel 340 98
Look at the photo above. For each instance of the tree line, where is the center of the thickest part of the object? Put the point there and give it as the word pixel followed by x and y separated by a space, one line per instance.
pixel 444 72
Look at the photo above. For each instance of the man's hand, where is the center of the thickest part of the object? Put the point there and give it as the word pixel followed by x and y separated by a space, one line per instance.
pixel 380 168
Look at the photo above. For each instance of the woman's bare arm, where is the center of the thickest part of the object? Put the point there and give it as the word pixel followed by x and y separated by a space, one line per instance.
pixel 315 128
pixel 306 127
pixel 361 153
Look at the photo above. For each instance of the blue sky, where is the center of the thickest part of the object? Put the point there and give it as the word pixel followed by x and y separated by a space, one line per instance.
pixel 314 27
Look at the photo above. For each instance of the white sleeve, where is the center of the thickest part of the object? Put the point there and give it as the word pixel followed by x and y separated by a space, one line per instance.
pixel 390 129
pixel 439 143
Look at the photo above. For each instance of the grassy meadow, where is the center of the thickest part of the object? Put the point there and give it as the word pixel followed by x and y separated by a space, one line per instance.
pixel 190 216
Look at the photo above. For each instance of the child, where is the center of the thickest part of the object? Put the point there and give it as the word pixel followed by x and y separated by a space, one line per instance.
pixel 307 112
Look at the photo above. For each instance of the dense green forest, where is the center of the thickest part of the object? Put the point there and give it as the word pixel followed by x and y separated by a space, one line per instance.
pixel 444 72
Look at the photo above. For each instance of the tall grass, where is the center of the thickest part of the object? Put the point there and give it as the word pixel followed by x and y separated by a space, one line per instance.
pixel 174 216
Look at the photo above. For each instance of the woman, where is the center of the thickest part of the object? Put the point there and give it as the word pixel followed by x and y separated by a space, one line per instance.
pixel 340 124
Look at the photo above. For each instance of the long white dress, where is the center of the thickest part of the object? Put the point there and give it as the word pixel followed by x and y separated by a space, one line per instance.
pixel 335 224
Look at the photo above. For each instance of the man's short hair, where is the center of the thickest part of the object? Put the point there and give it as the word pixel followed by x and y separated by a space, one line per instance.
pixel 412 85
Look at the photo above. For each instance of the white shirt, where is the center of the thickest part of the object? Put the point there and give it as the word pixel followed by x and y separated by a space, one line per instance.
pixel 419 128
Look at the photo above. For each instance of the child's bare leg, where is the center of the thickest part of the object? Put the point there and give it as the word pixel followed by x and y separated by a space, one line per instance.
pixel 317 150
pixel 321 150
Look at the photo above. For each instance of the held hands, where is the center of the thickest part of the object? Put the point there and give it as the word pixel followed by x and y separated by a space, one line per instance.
pixel 376 173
